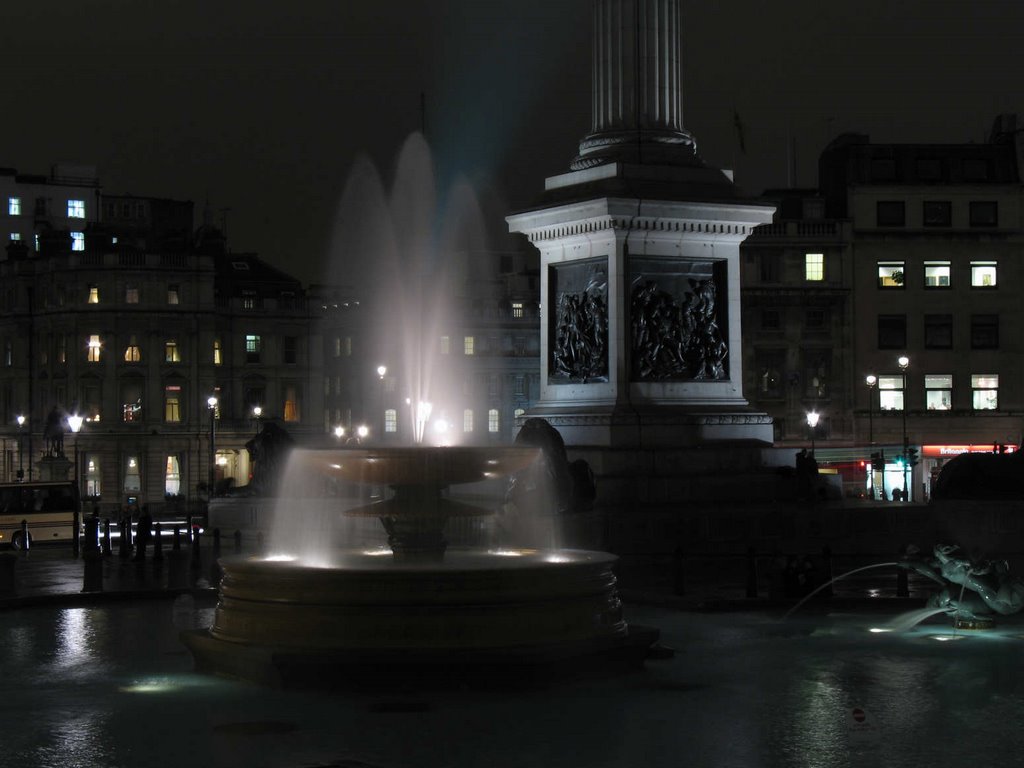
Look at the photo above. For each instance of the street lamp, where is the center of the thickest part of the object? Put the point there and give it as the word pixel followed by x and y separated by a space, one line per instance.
pixel 339 431
pixel 211 404
pixel 257 413
pixel 382 371
pixel 362 431
pixel 75 423
pixel 812 422
pixel 21 467
pixel 904 362
pixel 872 381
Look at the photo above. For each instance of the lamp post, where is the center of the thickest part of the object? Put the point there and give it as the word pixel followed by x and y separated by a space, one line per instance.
pixel 75 423
pixel 812 422
pixel 362 431
pixel 21 467
pixel 872 381
pixel 257 413
pixel 382 371
pixel 339 431
pixel 211 404
pixel 904 362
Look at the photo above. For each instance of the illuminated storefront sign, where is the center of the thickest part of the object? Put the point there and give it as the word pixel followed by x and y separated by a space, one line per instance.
pixel 944 451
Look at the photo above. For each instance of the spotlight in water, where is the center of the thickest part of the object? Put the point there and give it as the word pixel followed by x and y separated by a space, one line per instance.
pixel 945 638
pixel 280 558
pixel 506 552
pixel 151 685
pixel 380 552
pixel 878 630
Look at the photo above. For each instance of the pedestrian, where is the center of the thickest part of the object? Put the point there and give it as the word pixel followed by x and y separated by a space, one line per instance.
pixel 143 533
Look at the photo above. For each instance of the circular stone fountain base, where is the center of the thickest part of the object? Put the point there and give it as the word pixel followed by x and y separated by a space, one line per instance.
pixel 977 623
pixel 477 614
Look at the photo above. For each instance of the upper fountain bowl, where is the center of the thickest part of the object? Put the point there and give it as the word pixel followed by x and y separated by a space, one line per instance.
pixel 420 466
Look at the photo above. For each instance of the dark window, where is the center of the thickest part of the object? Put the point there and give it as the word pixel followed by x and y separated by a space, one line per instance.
pixel 891 213
pixel 937 213
pixel 929 169
pixel 938 331
pixel 977 169
pixel 770 319
pixel 984 331
pixel 984 213
pixel 892 331
pixel 770 367
pixel 883 169
pixel 815 319
pixel 291 344
pixel 770 267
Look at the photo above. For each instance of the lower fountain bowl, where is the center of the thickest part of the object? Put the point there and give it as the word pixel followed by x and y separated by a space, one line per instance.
pixel 285 622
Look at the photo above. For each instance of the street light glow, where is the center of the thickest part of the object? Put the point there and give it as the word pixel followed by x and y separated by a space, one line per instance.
pixel 382 370
pixel 75 422
pixel 871 379
pixel 339 431
pixel 812 419
pixel 362 430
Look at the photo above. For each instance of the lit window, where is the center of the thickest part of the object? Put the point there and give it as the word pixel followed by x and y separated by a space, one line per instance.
pixel 172 476
pixel 938 392
pixel 390 420
pixel 519 413
pixel 519 385
pixel 93 349
pixel 936 274
pixel 35 240
pixel 983 274
pixel 517 309
pixel 216 352
pixel 890 274
pixel 92 474
pixel 132 475
pixel 173 295
pixel 446 345
pixel 172 403
pixel 15 237
pixel 348 346
pixel 77 241
pixel 131 294
pixel 94 294
pixel 890 393
pixel 492 420
pixel 14 206
pixel 467 420
pixel 131 399
pixel 984 392
pixel 248 300
pixel 252 348
pixel 291 403
pixel 467 345
pixel 132 353
pixel 76 209
pixel 814 266
pixel 172 354
pixel 337 346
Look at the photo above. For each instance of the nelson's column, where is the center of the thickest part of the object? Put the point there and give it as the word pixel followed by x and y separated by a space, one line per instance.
pixel 640 326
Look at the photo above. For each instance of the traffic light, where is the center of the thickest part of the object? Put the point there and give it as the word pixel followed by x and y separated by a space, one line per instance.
pixel 878 461
pixel 912 457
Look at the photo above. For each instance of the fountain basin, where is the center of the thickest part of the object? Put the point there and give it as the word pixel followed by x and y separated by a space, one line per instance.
pixel 285 623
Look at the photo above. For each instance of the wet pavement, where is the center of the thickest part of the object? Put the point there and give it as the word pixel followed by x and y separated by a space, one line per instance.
pixel 93 674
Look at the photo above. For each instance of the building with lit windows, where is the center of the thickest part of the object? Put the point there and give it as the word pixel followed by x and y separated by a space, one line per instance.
pixel 921 248
pixel 136 330
pixel 488 354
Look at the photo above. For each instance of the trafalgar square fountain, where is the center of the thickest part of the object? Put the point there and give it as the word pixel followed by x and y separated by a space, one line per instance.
pixel 317 609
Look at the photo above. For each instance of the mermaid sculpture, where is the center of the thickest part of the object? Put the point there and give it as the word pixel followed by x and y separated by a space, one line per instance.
pixel 972 590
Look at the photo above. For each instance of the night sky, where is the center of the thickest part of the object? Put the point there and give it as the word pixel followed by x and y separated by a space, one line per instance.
pixel 260 107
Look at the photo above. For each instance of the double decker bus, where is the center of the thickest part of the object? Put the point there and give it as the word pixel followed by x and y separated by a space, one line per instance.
pixel 47 507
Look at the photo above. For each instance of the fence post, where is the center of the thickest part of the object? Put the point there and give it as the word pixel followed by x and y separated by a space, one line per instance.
pixel 106 537
pixel 176 542
pixel 751 572
pixel 678 572
pixel 76 542
pixel 826 561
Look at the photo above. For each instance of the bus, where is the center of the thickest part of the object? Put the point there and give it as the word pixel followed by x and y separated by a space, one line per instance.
pixel 48 507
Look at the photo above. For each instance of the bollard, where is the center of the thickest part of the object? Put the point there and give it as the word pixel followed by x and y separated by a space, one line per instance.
pixel 76 544
pixel 678 572
pixel 26 540
pixel 106 537
pixel 902 582
pixel 188 527
pixel 215 571
pixel 158 549
pixel 197 558
pixel 176 541
pixel 92 535
pixel 238 542
pixel 93 576
pixel 125 545
pixel 826 566
pixel 751 572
